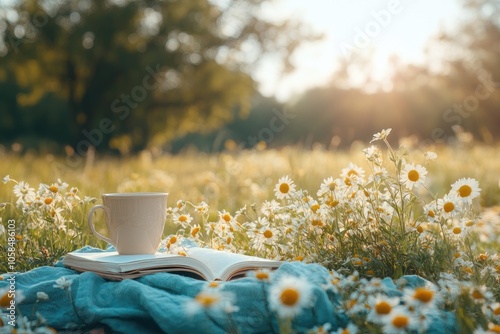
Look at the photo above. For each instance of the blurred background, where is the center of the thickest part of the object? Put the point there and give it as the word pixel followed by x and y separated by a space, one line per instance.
pixel 120 77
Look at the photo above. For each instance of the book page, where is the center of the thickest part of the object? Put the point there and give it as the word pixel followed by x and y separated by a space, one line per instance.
pixel 224 264
pixel 113 263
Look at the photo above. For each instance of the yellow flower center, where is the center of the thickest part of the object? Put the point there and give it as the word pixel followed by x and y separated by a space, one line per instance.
pixel 476 294
pixel 48 200
pixel 195 231
pixel 332 203
pixel 229 240
pixel 413 175
pixel 206 300
pixel 226 217
pixel 496 311
pixel 457 230
pixel 173 240
pixel 5 299
pixel 400 321
pixel 420 229
pixel 183 218
pixel 424 295
pixel 482 257
pixel 431 214
pixel 53 189
pixel 262 275
pixel 268 234
pixel 352 172
pixel 284 188
pixel 448 207
pixel 350 304
pixel 316 222
pixel 299 258
pixel 289 297
pixel 315 207
pixel 465 191
pixel 213 284
pixel 494 328
pixel 383 307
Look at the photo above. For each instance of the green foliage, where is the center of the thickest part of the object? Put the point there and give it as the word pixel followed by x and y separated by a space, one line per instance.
pixel 154 69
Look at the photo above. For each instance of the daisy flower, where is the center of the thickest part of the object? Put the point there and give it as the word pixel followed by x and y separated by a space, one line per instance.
pixel 373 154
pixel 353 172
pixel 423 298
pixel 270 208
pixel 202 208
pixel 40 296
pixel 284 188
pixel 289 295
pixel 382 306
pixel 328 187
pixel 378 174
pixel 399 321
pixel 323 329
pixel 448 205
pixel 22 190
pixel 195 230
pixel 265 236
pixel 413 175
pixel 431 211
pixel 225 217
pixel 63 283
pixel 211 299
pixel 350 329
pixel 492 310
pixel 8 297
pixel 466 189
pixel 183 219
pixel 263 275
pixel 382 135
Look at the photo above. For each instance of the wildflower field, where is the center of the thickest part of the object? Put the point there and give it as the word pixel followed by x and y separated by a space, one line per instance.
pixel 373 212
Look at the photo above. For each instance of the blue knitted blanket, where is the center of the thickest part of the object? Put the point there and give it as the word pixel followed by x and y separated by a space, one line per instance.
pixel 156 303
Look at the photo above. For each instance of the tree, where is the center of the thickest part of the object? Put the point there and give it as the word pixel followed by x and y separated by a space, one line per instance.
pixel 132 73
pixel 470 61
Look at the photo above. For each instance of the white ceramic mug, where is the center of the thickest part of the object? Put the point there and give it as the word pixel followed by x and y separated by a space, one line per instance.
pixel 135 221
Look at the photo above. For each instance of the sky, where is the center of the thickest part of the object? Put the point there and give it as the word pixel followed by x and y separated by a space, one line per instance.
pixel 377 28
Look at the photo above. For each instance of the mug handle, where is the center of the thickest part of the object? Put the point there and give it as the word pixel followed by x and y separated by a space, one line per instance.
pixel 91 223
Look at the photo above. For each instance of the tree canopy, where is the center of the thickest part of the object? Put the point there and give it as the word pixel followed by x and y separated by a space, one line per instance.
pixel 129 74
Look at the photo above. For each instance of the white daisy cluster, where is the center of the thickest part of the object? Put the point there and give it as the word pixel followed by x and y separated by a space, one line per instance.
pixel 49 220
pixel 410 309
pixel 380 221
pixel 375 220
pixel 49 205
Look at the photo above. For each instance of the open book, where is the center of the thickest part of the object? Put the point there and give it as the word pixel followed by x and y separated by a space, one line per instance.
pixel 203 263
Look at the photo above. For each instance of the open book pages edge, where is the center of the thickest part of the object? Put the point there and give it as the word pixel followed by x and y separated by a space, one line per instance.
pixel 207 263
pixel 185 271
pixel 224 265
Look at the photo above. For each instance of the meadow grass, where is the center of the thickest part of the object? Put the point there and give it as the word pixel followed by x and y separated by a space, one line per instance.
pixel 230 180
pixel 370 212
